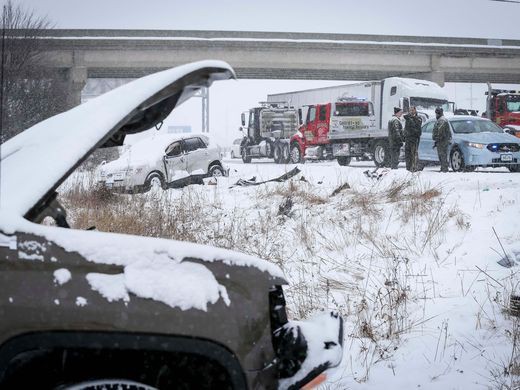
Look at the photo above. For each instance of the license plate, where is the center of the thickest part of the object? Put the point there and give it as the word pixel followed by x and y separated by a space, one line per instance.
pixel 506 157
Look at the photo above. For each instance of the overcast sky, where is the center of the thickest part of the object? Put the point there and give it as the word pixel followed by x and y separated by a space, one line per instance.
pixel 460 18
pixel 455 18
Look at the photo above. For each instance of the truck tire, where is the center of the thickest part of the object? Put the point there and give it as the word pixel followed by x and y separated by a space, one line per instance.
pixel 277 154
pixel 296 153
pixel 245 158
pixel 343 160
pixel 285 154
pixel 381 154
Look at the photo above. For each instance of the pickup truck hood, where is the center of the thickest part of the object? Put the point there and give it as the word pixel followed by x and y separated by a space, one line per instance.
pixel 35 162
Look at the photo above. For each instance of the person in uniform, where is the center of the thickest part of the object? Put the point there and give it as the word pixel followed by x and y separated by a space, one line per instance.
pixel 412 135
pixel 395 137
pixel 441 136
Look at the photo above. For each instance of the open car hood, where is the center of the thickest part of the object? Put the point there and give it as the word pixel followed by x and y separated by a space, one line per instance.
pixel 35 162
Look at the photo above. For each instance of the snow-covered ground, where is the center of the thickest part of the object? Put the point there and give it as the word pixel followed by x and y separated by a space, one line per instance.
pixel 409 260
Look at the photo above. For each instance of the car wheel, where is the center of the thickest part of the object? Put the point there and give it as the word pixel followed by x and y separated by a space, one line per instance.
pixel 154 181
pixel 343 161
pixel 296 153
pixel 457 160
pixel 216 171
pixel 381 154
pixel 514 168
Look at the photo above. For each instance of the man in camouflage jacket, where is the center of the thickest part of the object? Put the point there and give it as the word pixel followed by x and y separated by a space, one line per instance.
pixel 395 137
pixel 441 135
pixel 412 135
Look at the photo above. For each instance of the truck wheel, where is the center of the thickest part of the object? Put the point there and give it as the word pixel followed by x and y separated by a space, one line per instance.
pixel 343 160
pixel 381 154
pixel 277 154
pixel 245 158
pixel 285 154
pixel 514 168
pixel 296 153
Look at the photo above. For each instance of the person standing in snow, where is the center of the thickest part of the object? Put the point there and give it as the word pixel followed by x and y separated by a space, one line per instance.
pixel 395 137
pixel 441 136
pixel 412 134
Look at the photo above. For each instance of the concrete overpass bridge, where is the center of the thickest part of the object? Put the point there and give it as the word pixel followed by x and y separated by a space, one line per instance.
pixel 115 54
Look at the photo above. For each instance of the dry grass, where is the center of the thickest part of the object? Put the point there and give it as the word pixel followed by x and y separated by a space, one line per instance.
pixel 353 252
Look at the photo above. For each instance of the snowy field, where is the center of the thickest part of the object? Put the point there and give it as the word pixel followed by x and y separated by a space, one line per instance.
pixel 409 260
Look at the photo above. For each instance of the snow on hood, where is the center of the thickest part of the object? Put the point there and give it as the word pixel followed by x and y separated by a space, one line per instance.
pixel 162 280
pixel 132 252
pixel 35 161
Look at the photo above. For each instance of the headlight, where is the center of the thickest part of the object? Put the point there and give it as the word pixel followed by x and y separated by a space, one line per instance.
pixel 476 145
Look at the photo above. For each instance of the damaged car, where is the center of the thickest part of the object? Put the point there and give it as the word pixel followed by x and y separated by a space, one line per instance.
pixel 84 309
pixel 163 161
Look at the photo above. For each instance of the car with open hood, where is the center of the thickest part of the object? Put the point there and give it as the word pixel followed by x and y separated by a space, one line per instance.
pixel 84 309
pixel 163 161
pixel 476 142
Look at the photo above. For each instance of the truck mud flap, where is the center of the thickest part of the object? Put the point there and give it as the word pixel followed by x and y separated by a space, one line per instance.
pixel 246 183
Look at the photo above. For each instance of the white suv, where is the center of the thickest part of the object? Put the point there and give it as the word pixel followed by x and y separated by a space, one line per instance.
pixel 164 161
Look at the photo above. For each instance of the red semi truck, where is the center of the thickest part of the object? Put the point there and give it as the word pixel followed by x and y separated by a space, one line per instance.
pixel 503 108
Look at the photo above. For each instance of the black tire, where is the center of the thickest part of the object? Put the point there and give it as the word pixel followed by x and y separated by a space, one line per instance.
pixel 277 154
pixel 457 160
pixel 245 158
pixel 514 168
pixel 285 154
pixel 154 180
pixel 216 171
pixel 343 160
pixel 381 154
pixel 296 153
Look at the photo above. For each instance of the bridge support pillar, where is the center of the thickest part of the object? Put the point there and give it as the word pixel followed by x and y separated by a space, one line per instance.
pixel 76 80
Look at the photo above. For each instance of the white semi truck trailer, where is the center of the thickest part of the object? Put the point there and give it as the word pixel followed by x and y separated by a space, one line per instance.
pixel 371 141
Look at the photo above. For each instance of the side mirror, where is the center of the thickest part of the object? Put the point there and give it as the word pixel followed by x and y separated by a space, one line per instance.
pixel 243 117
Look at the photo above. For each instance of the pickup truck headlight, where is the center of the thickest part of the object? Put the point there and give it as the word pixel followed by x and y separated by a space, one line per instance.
pixel 476 145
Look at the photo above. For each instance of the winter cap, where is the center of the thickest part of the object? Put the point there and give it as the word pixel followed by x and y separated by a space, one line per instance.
pixel 439 110
pixel 396 110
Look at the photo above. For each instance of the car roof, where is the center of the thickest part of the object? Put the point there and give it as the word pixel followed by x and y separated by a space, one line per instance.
pixel 36 161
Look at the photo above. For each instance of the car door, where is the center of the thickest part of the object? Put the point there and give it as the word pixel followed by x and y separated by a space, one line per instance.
pixel 197 156
pixel 175 161
pixel 426 151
